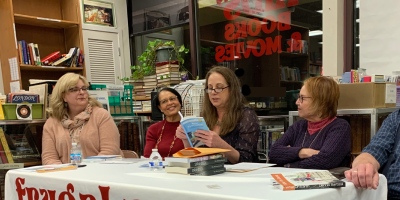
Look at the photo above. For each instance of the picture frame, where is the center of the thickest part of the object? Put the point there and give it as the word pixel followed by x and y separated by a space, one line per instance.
pixel 98 13
pixel 156 19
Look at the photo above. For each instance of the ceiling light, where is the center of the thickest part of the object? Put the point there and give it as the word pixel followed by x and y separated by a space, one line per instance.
pixel 314 33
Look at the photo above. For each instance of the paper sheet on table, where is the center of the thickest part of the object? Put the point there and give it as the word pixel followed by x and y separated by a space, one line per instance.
pixel 246 167
pixel 197 152
pixel 104 157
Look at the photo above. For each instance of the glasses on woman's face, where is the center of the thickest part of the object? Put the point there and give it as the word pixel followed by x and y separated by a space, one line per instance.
pixel 301 98
pixel 216 90
pixel 77 89
pixel 171 99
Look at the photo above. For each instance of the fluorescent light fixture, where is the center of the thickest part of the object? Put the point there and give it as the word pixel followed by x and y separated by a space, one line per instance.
pixel 314 33
pixel 320 11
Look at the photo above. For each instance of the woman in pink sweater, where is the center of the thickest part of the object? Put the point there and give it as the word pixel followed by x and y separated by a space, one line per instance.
pixel 76 117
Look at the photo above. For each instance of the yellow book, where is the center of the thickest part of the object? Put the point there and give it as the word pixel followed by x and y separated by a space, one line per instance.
pixel 5 146
pixel 1 112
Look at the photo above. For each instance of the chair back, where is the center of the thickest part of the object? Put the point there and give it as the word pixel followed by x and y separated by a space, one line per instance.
pixel 130 154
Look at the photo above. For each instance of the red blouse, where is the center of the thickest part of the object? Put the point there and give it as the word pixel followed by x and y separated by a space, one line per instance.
pixel 153 133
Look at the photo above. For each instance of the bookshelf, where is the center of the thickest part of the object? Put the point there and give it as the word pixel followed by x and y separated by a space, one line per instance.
pixel 55 25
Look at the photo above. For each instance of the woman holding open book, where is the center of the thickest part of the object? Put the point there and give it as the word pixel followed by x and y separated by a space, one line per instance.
pixel 320 140
pixel 75 117
pixel 232 125
pixel 161 135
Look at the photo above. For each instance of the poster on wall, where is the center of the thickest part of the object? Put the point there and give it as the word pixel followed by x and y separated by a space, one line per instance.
pixel 99 13
pixel 156 19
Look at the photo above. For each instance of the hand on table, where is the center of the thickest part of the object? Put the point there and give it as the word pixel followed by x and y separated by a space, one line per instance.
pixel 363 176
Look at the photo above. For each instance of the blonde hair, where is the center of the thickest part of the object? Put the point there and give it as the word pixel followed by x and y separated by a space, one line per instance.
pixel 325 95
pixel 67 81
pixel 236 103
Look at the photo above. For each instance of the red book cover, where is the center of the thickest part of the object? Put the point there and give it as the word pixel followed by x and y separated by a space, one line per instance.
pixel 51 57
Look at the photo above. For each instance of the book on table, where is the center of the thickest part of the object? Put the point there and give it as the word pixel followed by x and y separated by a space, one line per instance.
pixel 314 179
pixel 195 170
pixel 190 125
pixel 218 159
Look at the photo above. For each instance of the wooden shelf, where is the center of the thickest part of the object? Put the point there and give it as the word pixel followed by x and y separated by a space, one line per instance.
pixel 49 68
pixel 43 22
pixel 142 112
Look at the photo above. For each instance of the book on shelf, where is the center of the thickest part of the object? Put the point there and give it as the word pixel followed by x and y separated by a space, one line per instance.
pixel 216 160
pixel 49 59
pixel 313 179
pixel 190 125
pixel 6 148
pixel 167 65
pixel 195 159
pixel 65 58
pixel 194 170
pixel 43 91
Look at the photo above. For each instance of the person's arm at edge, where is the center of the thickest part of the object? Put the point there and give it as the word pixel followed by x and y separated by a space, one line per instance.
pixel 151 140
pixel 49 149
pixel 108 133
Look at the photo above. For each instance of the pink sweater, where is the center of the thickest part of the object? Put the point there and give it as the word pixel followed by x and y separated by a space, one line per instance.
pixel 99 136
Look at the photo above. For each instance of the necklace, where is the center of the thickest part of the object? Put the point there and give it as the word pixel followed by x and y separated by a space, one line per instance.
pixel 305 134
pixel 159 139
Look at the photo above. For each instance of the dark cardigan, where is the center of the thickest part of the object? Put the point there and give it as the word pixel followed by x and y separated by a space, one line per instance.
pixel 333 142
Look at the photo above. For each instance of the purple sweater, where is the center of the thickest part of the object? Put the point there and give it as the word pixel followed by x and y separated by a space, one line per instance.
pixel 333 142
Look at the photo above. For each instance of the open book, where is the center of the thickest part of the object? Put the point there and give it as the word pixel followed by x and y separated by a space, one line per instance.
pixel 190 125
pixel 313 179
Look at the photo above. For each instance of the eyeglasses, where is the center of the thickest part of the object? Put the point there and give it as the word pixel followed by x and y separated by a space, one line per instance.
pixel 301 98
pixel 216 90
pixel 76 89
pixel 172 99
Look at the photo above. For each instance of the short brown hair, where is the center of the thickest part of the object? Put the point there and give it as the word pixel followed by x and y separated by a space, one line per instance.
pixel 325 95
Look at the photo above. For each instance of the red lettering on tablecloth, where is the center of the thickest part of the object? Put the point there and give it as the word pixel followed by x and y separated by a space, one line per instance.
pixel 32 193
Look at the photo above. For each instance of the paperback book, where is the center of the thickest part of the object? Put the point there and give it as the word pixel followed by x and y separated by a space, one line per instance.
pixel 317 179
pixel 193 170
pixel 197 163
pixel 190 125
pixel 196 159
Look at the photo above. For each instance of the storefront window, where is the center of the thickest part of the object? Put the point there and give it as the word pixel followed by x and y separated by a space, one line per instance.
pixel 271 45
pixel 166 20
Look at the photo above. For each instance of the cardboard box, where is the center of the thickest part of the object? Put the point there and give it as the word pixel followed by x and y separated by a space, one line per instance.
pixel 367 95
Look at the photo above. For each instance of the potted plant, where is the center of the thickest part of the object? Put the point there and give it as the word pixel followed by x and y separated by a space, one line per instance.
pixel 157 51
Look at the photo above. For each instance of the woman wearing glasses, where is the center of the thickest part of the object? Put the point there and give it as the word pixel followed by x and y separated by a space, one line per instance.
pixel 320 140
pixel 76 117
pixel 232 124
pixel 161 135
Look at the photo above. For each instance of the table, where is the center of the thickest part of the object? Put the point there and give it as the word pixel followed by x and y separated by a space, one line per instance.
pixel 373 112
pixel 129 181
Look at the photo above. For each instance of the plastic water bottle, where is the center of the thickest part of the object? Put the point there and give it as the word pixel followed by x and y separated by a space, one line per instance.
pixel 155 162
pixel 76 154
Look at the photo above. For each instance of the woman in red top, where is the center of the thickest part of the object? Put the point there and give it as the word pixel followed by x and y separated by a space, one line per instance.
pixel 161 135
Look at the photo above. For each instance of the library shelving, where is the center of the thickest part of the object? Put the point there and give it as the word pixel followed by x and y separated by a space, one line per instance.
pixel 55 25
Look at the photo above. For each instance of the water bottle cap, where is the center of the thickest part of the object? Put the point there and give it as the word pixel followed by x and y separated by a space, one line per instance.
pixel 154 150
pixel 74 144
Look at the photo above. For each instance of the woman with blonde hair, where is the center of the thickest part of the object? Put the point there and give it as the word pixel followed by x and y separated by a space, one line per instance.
pixel 232 124
pixel 77 117
pixel 320 140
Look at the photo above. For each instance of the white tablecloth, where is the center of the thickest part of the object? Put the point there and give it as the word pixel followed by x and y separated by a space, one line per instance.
pixel 129 181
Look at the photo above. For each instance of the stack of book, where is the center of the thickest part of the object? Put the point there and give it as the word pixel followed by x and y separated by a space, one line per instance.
pixel 199 166
pixel 168 75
